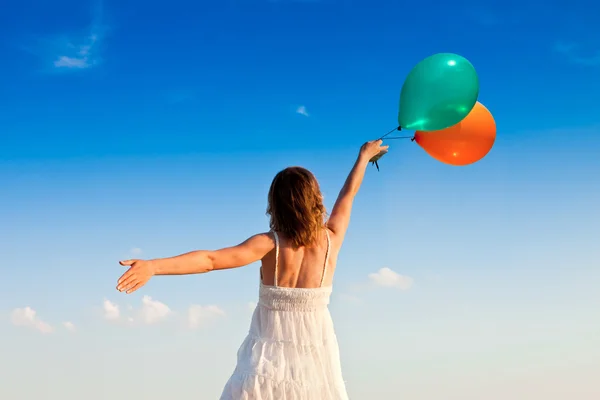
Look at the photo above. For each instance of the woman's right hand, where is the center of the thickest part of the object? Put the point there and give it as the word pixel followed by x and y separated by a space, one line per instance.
pixel 373 150
pixel 138 274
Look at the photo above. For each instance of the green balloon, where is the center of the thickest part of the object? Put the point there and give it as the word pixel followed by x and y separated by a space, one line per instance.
pixel 439 92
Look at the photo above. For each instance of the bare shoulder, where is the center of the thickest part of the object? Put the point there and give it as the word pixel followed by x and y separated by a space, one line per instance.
pixel 251 250
pixel 263 241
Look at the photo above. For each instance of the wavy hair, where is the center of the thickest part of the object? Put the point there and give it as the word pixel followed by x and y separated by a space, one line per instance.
pixel 296 206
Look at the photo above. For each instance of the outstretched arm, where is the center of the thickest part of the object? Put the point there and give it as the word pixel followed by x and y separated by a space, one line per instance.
pixel 195 262
pixel 340 215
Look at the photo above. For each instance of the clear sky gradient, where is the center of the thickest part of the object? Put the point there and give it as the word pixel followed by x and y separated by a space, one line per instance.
pixel 148 129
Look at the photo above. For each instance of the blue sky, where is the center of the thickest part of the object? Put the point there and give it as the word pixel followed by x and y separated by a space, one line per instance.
pixel 149 129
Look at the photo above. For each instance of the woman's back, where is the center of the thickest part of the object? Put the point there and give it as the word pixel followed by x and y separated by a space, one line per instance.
pixel 303 267
pixel 291 351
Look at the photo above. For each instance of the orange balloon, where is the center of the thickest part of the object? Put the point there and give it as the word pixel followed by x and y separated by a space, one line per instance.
pixel 464 143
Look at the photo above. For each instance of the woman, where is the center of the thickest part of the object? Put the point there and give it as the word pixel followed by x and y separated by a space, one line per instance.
pixel 291 351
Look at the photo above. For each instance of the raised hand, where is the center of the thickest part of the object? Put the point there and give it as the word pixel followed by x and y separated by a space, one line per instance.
pixel 373 150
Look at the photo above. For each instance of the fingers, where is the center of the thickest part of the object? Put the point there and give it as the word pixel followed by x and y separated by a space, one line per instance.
pixel 131 285
pixel 381 149
pixel 374 149
pixel 135 287
pixel 126 280
pixel 127 263
pixel 126 285
pixel 378 143
pixel 126 276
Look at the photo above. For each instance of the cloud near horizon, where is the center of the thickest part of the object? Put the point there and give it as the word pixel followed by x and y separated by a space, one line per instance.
pixel 111 310
pixel 69 326
pixel 385 277
pixel 27 317
pixel 199 315
pixel 153 312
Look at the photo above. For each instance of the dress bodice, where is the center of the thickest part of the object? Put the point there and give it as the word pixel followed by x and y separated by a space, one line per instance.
pixel 293 299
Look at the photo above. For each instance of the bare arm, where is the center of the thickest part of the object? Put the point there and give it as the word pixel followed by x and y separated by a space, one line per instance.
pixel 340 215
pixel 201 261
pixel 195 262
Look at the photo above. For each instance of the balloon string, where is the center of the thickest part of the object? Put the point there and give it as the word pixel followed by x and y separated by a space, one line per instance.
pixel 412 139
pixel 399 137
pixel 390 132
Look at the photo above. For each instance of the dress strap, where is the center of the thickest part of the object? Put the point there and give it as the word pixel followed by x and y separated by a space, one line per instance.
pixel 276 257
pixel 326 258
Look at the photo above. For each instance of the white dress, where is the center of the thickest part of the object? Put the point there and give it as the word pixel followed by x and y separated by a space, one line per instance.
pixel 291 351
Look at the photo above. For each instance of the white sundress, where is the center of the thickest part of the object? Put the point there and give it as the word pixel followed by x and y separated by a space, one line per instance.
pixel 291 351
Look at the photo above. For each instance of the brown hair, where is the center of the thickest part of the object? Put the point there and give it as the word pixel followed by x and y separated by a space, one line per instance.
pixel 296 206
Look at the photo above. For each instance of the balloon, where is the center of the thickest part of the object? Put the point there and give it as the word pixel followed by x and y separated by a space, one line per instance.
pixel 464 143
pixel 438 93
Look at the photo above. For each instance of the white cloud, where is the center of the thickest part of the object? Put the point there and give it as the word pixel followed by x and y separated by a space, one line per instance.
pixel 27 317
pixel 111 311
pixel 69 326
pixel 136 251
pixel 78 50
pixel 153 311
pixel 199 315
pixel 251 305
pixel 385 277
pixel 302 111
